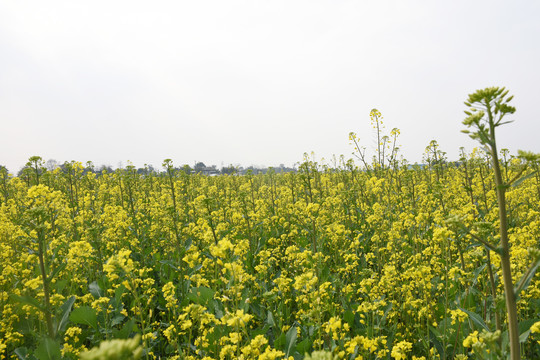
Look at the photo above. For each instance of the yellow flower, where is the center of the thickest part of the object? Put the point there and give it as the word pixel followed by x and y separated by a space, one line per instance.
pixel 400 350
pixel 458 316
pixel 33 284
pixel 170 333
pixel 471 339
pixel 271 354
pixel 169 294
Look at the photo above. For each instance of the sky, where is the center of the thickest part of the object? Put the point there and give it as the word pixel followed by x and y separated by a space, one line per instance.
pixel 256 82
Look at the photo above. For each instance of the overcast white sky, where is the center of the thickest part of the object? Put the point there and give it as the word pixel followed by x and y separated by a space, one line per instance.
pixel 256 82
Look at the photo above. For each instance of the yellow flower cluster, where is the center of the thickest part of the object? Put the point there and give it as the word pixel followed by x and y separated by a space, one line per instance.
pixel 400 350
pixel 458 316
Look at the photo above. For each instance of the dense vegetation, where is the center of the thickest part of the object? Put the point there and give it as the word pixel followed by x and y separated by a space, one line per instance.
pixel 379 262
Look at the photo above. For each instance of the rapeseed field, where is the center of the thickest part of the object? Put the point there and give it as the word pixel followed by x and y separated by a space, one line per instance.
pixel 384 261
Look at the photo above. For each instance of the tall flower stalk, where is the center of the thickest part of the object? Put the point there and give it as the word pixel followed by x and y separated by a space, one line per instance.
pixel 487 108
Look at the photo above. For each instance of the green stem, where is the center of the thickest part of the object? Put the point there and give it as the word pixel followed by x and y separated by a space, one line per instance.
pixel 493 289
pixel 46 292
pixel 511 307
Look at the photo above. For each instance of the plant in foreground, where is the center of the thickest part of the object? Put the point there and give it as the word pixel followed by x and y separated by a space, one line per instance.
pixel 128 349
pixel 487 108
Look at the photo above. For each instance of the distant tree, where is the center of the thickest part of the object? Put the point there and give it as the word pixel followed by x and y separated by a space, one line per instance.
pixel 229 170
pixel 51 164
pixel 107 168
pixel 186 169
pixel 89 167
pixel 256 170
pixel 146 170
pixel 199 167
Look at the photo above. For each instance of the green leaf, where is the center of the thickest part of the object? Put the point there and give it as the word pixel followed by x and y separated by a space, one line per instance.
pixel 201 295
pixel 125 331
pixel 84 315
pixel 433 337
pixel 117 320
pixel 22 354
pixel 522 179
pixel 65 309
pixel 260 331
pixel 56 270
pixel 523 337
pixel 303 346
pixel 386 311
pixel 477 272
pixel 216 335
pixel 48 349
pixel 27 300
pixel 195 269
pixel 290 340
pixel 118 294
pixel 187 244
pixel 270 319
pixel 499 123
pixel 524 329
pixel 348 316
pixel 484 139
pixel 526 278
pixel 476 319
pixel 505 340
pixel 95 290
pixel 59 285
pixel 170 264
pixel 279 343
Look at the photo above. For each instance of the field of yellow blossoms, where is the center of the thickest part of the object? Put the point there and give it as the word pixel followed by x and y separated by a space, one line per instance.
pixel 383 263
